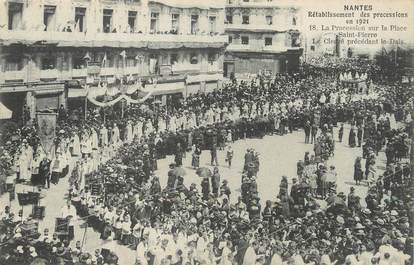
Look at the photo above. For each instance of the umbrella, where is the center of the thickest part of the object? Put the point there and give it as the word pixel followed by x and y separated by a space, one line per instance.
pixel 204 172
pixel 179 171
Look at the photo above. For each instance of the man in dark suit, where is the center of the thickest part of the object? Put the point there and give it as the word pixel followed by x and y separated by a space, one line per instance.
pixel 44 172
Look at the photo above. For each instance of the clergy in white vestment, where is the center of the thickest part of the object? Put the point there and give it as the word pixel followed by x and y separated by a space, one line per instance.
pixel 76 149
pixel 94 140
pixel 25 161
pixel 250 255
pixel 104 136
pixel 129 132
pixel 115 135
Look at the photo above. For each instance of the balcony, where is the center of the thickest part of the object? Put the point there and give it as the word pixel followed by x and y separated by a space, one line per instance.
pixel 130 70
pixel 11 76
pixel 238 47
pixel 213 67
pixel 49 74
pixel 259 28
pixel 119 40
pixel 79 73
pixel 185 68
pixel 109 71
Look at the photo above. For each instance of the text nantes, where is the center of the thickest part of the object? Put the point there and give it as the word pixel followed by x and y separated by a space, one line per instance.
pixel 357 7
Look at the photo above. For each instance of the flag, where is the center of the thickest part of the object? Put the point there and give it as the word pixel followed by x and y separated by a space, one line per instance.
pixel 123 54
pixel 104 60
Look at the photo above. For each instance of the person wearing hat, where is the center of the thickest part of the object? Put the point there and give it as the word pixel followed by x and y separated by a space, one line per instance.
pixel 229 154
pixel 215 181
pixel 171 176
pixel 205 188
pixel 195 162
pixel 224 189
pixel 213 153
pixel 44 172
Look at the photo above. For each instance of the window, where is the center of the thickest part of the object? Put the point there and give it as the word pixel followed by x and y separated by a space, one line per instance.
pixel 294 21
pixel 194 24
pixel 193 58
pixel 154 21
pixel 312 47
pixel 269 20
pixel 49 17
pixel 175 23
pixel 107 20
pixel 173 58
pixel 246 1
pixel 229 19
pixel 212 57
pixel 212 24
pixel 132 20
pixel 15 15
pixel 80 13
pixel 78 61
pixel 130 62
pixel 295 40
pixel 268 41
pixel 246 20
pixel 48 62
pixel 245 40
pixel 230 39
pixel 13 63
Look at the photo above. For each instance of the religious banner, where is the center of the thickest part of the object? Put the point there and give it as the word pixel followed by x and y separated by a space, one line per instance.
pixel 47 130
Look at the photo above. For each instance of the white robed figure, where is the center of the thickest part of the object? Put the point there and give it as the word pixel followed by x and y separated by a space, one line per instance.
pixel 172 124
pixel 94 139
pixel 209 116
pixel 249 256
pixel 194 119
pixel 217 115
pixel 129 134
pixel 149 128
pixel 138 129
pixel 25 161
pixel 115 135
pixel 162 126
pixel 103 133
pixel 38 157
pixel 86 144
pixel 76 149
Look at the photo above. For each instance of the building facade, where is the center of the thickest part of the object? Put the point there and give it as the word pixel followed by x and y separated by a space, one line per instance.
pixel 48 48
pixel 264 35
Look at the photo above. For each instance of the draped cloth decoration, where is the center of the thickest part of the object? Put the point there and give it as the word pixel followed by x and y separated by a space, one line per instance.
pixel 114 101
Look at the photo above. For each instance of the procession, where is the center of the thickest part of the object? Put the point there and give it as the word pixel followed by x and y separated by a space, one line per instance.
pixel 219 132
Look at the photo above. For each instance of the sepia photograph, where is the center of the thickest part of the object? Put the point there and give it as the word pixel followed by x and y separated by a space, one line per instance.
pixel 206 132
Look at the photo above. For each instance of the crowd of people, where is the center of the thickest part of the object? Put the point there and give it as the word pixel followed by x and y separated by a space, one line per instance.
pixel 114 188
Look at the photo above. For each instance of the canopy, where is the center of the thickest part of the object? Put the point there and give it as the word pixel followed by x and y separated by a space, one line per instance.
pixel 5 113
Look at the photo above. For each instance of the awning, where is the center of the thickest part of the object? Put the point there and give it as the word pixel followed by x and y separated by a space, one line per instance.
pixel 165 88
pixel 5 113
